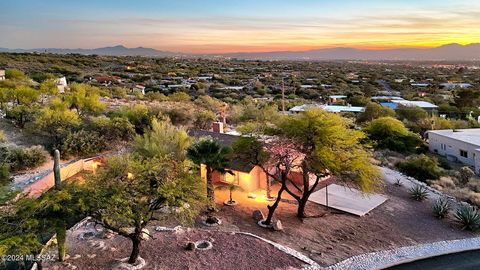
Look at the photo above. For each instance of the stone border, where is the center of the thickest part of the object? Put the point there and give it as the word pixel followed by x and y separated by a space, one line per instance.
pixel 389 258
pixel 311 264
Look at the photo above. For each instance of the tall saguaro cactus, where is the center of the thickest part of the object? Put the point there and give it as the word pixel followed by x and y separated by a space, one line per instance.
pixel 56 169
pixel 61 228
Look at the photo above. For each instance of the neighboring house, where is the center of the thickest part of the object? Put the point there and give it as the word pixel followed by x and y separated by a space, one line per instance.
pixel 420 84
pixel 462 145
pixel 455 85
pixel 2 74
pixel 61 84
pixel 328 108
pixel 247 176
pixel 139 88
pixel 335 99
pixel 107 80
pixel 393 104
pixel 234 88
pixel 386 98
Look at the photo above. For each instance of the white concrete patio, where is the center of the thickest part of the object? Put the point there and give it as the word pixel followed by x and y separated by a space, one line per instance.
pixel 347 199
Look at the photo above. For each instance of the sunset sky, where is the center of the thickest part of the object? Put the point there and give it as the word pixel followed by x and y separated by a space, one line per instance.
pixel 214 26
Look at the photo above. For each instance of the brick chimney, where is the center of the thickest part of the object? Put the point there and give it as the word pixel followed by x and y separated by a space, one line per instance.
pixel 217 127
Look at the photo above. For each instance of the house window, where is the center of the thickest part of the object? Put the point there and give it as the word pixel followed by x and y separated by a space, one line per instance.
pixel 463 153
pixel 443 146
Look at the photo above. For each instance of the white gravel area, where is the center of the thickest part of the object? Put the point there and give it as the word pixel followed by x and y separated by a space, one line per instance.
pixel 387 258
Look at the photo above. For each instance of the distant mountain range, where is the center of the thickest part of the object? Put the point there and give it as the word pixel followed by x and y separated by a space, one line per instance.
pixel 115 50
pixel 446 52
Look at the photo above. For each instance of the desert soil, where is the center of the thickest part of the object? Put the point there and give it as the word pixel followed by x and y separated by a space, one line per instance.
pixel 166 250
pixel 333 236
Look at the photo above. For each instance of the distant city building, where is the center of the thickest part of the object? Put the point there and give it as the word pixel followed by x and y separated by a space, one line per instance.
pixel 462 145
pixel 61 84
pixel 2 74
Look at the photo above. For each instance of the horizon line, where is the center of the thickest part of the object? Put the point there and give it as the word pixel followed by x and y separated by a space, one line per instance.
pixel 357 47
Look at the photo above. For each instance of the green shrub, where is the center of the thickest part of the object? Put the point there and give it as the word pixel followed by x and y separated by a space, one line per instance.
pixel 418 193
pixel 83 143
pixel 114 130
pixel 5 177
pixel 468 217
pixel 3 137
pixel 441 207
pixel 26 158
pixel 390 133
pixel 422 168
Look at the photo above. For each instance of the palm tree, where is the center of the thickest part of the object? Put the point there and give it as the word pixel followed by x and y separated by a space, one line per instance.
pixel 231 187
pixel 215 158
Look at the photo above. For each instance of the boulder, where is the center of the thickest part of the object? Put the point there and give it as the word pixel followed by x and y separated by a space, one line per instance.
pixel 190 246
pixel 108 234
pixel 213 220
pixel 277 226
pixel 145 234
pixel 258 215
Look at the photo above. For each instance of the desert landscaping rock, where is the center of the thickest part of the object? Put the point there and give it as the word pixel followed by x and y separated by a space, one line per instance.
pixel 258 215
pixel 190 246
pixel 212 221
pixel 277 225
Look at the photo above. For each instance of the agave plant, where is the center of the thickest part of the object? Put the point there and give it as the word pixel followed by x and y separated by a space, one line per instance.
pixel 441 207
pixel 418 193
pixel 398 182
pixel 468 217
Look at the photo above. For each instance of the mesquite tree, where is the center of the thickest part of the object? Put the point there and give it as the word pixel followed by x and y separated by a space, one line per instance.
pixel 329 147
pixel 275 157
pixel 128 192
pixel 315 144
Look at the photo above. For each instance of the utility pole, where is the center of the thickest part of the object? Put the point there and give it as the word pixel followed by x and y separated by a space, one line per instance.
pixel 283 94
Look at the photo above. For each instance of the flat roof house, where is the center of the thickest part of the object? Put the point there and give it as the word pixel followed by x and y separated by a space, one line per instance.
pixel 328 108
pixel 393 104
pixel 461 145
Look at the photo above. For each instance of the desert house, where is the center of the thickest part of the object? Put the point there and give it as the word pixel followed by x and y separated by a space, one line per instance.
pixel 245 175
pixel 461 145
pixel 61 84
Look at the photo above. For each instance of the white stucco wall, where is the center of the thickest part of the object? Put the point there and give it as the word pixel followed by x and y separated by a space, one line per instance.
pixel 477 161
pixel 452 148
